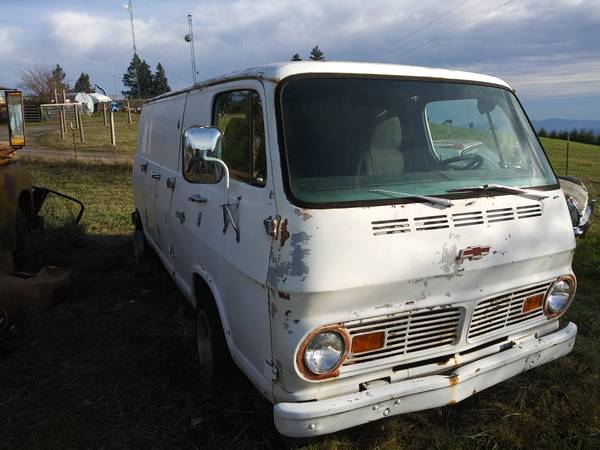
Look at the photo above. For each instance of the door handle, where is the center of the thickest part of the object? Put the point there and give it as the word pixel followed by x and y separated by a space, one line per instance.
pixel 155 175
pixel 197 198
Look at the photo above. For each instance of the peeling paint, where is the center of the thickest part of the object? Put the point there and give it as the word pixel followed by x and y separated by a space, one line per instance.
pixel 291 264
pixel 303 214
pixel 273 310
pixel 283 232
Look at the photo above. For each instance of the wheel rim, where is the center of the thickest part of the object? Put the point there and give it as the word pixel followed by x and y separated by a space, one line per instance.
pixel 204 345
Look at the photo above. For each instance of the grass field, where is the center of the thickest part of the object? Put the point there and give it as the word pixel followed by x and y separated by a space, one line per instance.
pixel 97 136
pixel 113 365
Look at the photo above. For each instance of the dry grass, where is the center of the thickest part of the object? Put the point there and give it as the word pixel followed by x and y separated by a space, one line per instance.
pixel 113 365
pixel 97 136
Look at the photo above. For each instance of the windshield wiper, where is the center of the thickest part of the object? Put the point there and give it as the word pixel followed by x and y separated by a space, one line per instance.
pixel 437 200
pixel 501 188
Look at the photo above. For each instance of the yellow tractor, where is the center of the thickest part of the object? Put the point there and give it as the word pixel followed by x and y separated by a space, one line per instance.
pixel 16 193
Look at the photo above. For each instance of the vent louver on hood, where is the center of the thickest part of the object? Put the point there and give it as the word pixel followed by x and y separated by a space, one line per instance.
pixel 457 220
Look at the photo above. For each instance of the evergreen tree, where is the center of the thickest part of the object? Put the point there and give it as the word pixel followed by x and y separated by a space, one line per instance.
pixel 83 84
pixel 574 135
pixel 542 132
pixel 144 81
pixel 564 135
pixel 316 54
pixel 160 82
pixel 553 134
pixel 57 80
pixel 296 57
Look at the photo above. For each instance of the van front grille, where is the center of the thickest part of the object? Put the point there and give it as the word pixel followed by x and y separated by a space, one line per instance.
pixel 503 312
pixel 427 331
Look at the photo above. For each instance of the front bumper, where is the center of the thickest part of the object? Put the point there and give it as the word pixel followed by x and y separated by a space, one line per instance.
pixel 330 415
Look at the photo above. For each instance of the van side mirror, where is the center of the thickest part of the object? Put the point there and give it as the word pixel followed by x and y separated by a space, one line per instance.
pixel 202 163
pixel 580 207
pixel 199 145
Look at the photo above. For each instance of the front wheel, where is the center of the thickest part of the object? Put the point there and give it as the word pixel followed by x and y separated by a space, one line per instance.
pixel 214 359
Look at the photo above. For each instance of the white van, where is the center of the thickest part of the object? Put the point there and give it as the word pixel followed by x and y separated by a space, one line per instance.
pixel 364 240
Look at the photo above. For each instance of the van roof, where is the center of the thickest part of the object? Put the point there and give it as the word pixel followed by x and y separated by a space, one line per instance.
pixel 279 71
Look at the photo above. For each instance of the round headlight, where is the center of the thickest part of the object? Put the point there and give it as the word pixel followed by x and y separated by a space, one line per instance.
pixel 559 296
pixel 324 352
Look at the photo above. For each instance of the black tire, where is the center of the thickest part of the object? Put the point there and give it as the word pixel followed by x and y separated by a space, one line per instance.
pixel 214 359
pixel 21 231
pixel 140 246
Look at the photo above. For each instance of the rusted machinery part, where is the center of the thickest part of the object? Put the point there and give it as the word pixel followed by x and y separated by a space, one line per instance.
pixel 6 156
pixel 40 194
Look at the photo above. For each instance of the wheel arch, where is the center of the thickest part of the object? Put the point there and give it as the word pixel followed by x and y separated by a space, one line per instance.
pixel 205 293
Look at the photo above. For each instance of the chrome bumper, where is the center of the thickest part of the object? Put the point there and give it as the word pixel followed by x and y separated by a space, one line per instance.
pixel 334 414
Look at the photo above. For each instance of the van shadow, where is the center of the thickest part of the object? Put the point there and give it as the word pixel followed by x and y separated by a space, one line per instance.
pixel 115 358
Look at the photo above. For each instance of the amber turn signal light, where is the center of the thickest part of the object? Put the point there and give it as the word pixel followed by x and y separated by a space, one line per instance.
pixel 368 342
pixel 533 302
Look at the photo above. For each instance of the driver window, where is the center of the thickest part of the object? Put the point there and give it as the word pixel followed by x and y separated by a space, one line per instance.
pixel 239 116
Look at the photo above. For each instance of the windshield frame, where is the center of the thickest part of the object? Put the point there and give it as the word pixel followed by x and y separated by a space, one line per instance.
pixel 285 172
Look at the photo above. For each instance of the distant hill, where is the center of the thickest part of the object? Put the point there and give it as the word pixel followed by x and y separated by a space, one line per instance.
pixel 567 125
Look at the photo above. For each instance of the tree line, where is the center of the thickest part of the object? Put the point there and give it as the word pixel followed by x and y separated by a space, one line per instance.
pixel 40 81
pixel 575 135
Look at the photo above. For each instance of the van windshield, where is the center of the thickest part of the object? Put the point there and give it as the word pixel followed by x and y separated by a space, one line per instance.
pixel 349 139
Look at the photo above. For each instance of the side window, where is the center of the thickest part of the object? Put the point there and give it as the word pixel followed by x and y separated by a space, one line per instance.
pixel 239 116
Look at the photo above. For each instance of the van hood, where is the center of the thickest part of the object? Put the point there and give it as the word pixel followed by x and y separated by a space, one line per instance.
pixel 413 255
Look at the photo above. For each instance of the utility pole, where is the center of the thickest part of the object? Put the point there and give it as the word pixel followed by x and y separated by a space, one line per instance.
pixel 190 38
pixel 129 7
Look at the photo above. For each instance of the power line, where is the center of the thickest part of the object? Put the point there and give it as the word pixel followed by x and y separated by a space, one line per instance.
pixel 459 27
pixel 408 36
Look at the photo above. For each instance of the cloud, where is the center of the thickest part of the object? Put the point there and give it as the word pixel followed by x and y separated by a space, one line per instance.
pixel 543 48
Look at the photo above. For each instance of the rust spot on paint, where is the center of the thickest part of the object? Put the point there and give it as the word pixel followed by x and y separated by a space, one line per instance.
pixel 284 233
pixel 284 295
pixel 303 214
pixel 453 380
pixel 452 402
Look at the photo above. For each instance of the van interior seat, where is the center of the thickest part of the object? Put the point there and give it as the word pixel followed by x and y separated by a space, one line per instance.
pixel 384 156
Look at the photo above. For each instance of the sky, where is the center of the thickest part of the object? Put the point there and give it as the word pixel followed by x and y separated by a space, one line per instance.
pixel 548 50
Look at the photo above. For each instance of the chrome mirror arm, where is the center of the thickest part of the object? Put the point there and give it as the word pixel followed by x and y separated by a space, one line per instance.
pixel 226 170
pixel 227 213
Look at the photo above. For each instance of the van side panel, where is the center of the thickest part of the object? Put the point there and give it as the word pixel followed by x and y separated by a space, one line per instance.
pixel 166 142
pixel 144 186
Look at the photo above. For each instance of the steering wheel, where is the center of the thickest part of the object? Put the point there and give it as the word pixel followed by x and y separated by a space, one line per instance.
pixel 469 160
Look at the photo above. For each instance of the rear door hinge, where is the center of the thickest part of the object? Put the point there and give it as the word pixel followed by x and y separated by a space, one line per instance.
pixel 171 183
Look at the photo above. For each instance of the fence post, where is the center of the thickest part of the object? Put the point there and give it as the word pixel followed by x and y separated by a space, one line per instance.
pixel 567 164
pixel 75 111
pixel 64 111
pixel 104 113
pixel 61 116
pixel 113 141
pixel 80 124
pixel 128 112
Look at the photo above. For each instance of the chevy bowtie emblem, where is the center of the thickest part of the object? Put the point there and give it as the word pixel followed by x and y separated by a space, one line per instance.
pixel 472 253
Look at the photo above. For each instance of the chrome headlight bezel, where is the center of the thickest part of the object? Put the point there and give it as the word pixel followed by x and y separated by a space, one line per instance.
pixel 549 310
